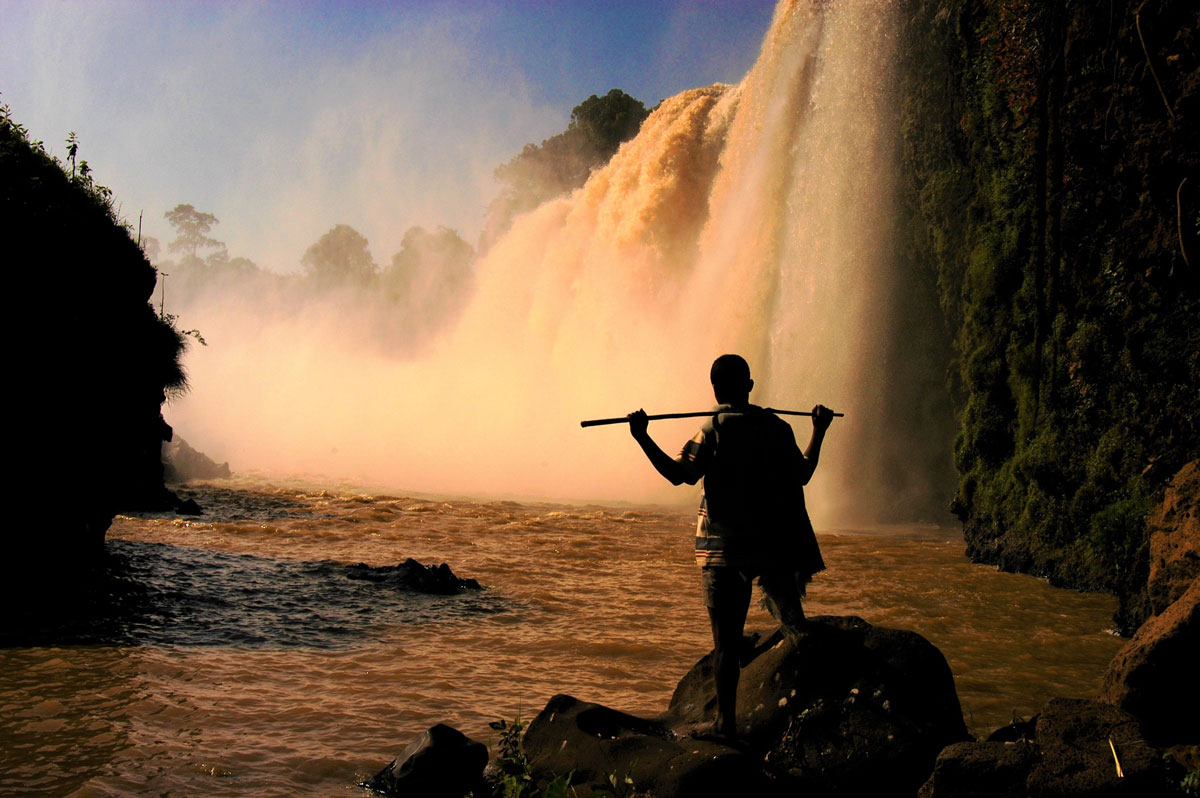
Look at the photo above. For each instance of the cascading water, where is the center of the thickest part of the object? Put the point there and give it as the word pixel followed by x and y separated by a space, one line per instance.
pixel 753 218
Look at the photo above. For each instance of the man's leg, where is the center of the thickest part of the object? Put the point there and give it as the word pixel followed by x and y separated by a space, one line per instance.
pixel 728 599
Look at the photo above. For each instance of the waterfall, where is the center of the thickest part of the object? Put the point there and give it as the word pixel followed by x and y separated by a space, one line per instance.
pixel 754 218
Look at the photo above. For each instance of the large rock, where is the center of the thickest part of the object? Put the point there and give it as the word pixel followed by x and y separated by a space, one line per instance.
pixel 1153 677
pixel 1174 527
pixel 182 463
pixel 848 709
pixel 594 742
pixel 1070 756
pixel 441 763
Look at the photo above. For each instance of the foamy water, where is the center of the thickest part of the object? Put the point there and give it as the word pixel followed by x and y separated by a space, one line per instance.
pixel 232 656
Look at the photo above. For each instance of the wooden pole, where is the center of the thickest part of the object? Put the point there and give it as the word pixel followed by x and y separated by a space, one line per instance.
pixel 598 422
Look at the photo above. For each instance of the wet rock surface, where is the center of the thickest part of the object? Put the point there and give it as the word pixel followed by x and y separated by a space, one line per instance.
pixel 412 575
pixel 441 763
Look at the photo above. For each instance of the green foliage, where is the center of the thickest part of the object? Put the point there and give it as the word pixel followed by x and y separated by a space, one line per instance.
pixel 618 786
pixel 1190 785
pixel 1043 184
pixel 516 775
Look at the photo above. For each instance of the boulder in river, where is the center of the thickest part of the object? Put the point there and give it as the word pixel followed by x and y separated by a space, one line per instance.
pixel 412 575
pixel 1076 747
pixel 441 763
pixel 847 709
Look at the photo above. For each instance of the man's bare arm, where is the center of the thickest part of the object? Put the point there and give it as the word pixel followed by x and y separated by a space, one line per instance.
pixel 821 417
pixel 673 469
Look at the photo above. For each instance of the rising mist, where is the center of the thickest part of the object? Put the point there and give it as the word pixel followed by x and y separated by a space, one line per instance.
pixel 755 218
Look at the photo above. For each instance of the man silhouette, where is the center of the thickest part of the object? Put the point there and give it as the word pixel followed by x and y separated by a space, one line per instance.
pixel 752 520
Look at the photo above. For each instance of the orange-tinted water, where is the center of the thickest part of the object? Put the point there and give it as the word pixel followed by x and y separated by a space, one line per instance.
pixel 244 662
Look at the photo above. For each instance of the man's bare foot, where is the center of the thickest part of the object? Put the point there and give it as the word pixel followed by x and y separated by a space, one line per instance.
pixel 725 734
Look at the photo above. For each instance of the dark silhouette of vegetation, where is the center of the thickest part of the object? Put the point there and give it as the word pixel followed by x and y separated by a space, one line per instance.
pixel 1047 188
pixel 563 162
pixel 341 257
pixel 92 366
pixel 429 278
pixel 191 231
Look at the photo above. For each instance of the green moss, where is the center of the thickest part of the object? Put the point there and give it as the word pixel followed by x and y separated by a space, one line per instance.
pixel 1042 172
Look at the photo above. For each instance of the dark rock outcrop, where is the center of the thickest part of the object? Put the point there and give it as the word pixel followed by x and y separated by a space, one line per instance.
pixel 1048 179
pixel 94 365
pixel 412 575
pixel 182 463
pixel 594 742
pixel 848 709
pixel 441 763
pixel 1153 677
pixel 1071 756
pixel 1174 527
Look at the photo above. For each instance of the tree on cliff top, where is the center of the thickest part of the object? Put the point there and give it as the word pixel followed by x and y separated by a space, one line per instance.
pixel 191 229
pixel 563 162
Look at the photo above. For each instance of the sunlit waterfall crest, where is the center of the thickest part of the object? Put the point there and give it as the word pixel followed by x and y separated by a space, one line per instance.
pixel 753 218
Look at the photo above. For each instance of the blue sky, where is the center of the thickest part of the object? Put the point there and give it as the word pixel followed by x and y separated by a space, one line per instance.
pixel 285 119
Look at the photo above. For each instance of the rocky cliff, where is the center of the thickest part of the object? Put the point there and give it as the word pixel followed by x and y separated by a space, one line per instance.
pixel 1052 189
pixel 90 363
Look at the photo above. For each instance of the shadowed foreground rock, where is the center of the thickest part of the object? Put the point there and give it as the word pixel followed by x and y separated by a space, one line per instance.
pixel 1174 528
pixel 1068 757
pixel 849 709
pixel 412 575
pixel 595 741
pixel 441 763
pixel 1153 677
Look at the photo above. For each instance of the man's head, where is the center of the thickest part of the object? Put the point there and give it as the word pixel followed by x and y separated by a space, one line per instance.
pixel 730 376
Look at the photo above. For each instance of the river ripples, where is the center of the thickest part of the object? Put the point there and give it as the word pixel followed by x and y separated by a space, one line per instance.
pixel 230 654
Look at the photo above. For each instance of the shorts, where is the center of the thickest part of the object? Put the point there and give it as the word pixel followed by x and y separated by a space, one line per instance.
pixel 726 588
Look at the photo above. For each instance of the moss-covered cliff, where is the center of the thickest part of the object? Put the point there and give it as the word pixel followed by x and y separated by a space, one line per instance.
pixel 89 362
pixel 1051 158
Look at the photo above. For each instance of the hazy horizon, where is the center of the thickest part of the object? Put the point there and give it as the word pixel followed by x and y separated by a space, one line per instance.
pixel 285 119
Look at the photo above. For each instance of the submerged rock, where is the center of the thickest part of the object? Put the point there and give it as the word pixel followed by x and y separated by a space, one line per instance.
pixel 847 709
pixel 441 763
pixel 1153 677
pixel 412 575
pixel 1070 756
